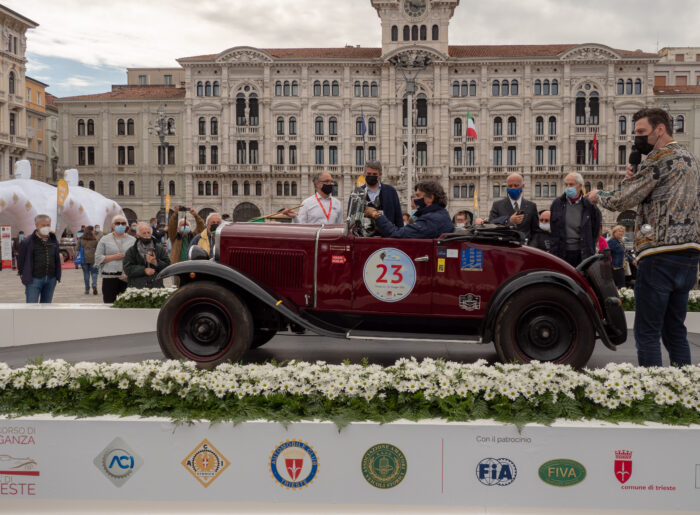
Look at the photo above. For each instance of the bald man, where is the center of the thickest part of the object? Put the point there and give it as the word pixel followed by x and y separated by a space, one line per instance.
pixel 514 210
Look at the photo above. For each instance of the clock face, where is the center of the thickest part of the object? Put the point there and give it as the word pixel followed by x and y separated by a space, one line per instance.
pixel 415 7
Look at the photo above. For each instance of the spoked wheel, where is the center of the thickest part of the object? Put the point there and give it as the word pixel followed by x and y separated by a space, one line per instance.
pixel 545 324
pixel 206 323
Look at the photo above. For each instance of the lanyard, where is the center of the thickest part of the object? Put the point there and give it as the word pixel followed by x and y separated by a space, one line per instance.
pixel 330 208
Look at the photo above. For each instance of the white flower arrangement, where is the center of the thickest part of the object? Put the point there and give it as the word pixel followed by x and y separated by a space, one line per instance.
pixel 627 297
pixel 143 297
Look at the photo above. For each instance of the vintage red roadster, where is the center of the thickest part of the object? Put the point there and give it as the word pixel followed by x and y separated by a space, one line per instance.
pixel 475 286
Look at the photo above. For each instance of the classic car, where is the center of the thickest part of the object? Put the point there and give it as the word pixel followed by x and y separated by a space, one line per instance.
pixel 474 286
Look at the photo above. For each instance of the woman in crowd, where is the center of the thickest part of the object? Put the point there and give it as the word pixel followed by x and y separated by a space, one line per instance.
pixel 109 257
pixel 617 253
pixel 88 244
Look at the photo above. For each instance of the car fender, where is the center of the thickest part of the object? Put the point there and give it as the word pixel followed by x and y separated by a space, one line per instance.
pixel 540 277
pixel 210 270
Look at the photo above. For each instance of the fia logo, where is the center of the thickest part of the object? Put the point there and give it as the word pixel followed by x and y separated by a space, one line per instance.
pixel 496 471
pixel 623 466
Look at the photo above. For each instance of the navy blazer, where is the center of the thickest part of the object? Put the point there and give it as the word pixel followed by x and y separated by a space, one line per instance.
pixel 590 226
pixel 391 206
pixel 502 209
pixel 430 222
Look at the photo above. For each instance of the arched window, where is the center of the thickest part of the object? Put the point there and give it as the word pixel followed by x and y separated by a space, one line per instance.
pixel 546 192
pixel 600 186
pixel 372 153
pixel 240 109
pixel 318 126
pixel 620 86
pixel 279 188
pixel 414 33
pixel 553 189
pixel 498 126
pixel 594 105
pixel 170 129
pixel 374 89
pixel 253 109
pixel 258 188
pixel 202 155
pixel 216 88
pixel 317 88
pixel 436 33
pixel 552 155
pixel 130 127
pixel 372 127
pixel 538 87
pixel 545 87
pixel 514 88
pixel 538 189
pixel 580 108
pixel 207 89
pixel 280 126
pixel 202 125
pixel 587 187
pixel 423 32
pixel 292 126
pixel 171 188
pixel 495 88
pixel 253 152
pixel 332 126
pixel 214 155
pixel 622 125
pixel 680 124
pixel 326 88
pixel 406 33
pixel 358 88
pixel 335 88
pixel 90 127
pixel 465 89
pixel 504 88
pixel 458 156
pixel 286 188
pixel 286 88
pixel 539 126
pixel 278 88
pixel 422 111
pixel 539 155
pixel 638 87
pixel 132 188
pixel 358 126
pixel 234 188
pixel 294 188
pixel 120 188
pixel 215 188
pixel 12 83
pixel 458 127
pixel 207 188
pixel 472 88
pixel 628 89
pixel 555 87
pixel 121 127
pixel 394 33
pixel 81 127
pixel 280 155
pixel 472 189
pixel 295 88
pixel 365 89
pixel 200 89
pixel 240 152
pixel 512 126
pixel 214 126
pixel 455 89
pixel 552 125
pixel 497 156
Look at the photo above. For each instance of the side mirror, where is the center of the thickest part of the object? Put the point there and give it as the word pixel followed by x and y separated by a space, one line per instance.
pixel 196 252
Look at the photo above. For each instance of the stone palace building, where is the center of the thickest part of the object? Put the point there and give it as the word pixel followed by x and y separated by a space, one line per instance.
pixel 247 128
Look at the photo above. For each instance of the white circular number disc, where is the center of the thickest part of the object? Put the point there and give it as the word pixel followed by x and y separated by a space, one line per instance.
pixel 389 275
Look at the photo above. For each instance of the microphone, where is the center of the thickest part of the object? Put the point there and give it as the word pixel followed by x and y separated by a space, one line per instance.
pixel 635 158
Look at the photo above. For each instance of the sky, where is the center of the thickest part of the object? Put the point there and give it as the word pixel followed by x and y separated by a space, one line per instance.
pixel 83 47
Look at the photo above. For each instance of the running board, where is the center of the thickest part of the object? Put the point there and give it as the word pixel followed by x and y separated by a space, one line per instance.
pixel 411 337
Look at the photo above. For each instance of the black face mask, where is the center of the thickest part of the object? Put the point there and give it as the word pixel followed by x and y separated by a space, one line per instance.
pixel 327 189
pixel 214 227
pixel 145 241
pixel 642 144
pixel 372 180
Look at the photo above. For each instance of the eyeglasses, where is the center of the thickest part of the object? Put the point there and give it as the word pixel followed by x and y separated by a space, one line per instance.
pixel 120 223
pixel 327 182
pixel 544 220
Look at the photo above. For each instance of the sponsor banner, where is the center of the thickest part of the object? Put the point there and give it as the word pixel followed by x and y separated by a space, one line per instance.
pixel 5 246
pixel 564 466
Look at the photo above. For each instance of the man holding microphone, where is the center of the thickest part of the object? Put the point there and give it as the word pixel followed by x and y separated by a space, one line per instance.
pixel 665 192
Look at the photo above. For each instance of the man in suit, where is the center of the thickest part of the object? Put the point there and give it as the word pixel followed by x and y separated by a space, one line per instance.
pixel 514 210
pixel 380 196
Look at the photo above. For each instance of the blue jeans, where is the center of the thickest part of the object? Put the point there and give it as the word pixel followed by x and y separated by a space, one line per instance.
pixel 661 297
pixel 40 289
pixel 89 270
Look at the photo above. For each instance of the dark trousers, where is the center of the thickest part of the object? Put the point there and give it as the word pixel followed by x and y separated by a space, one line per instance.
pixel 661 297
pixel 619 277
pixel 111 287
pixel 573 257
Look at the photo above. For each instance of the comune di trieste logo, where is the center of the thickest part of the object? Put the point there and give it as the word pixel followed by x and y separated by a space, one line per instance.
pixel 384 465
pixel 118 462
pixel 496 471
pixel 205 463
pixel 294 464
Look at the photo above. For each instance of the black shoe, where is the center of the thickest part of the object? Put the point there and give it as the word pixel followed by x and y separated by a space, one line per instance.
pixel 94 290
pixel 87 292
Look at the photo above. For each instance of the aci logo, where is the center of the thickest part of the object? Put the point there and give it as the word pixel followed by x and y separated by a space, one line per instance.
pixel 294 464
pixel 118 462
pixel 623 466
pixel 562 472
pixel 496 471
pixel 384 465
pixel 205 463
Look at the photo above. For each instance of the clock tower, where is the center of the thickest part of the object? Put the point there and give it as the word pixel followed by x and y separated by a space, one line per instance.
pixel 415 22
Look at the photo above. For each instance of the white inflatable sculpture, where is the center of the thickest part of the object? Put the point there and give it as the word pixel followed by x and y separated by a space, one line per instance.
pixel 22 198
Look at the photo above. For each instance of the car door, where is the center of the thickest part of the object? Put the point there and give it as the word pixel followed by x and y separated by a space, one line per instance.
pixel 393 275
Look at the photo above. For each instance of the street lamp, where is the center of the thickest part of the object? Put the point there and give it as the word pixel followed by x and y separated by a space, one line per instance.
pixel 161 129
pixel 410 64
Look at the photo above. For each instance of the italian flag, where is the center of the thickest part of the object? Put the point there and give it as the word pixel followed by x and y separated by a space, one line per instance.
pixel 471 127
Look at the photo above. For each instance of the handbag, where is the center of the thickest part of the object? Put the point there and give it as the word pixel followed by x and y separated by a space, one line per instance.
pixel 80 257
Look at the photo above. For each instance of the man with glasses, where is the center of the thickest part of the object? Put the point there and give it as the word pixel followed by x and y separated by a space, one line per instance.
pixel 321 207
pixel 542 239
pixel 109 256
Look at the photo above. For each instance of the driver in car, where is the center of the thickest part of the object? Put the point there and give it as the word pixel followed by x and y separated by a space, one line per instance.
pixel 431 217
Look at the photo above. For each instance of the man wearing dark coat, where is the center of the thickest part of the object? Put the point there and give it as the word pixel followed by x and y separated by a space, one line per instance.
pixel 514 210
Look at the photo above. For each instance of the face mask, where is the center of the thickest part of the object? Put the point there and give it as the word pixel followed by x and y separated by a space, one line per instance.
pixel 372 180
pixel 120 229
pixel 419 202
pixel 571 192
pixel 44 231
pixel 97 229
pixel 185 229
pixel 214 227
pixel 545 227
pixel 327 189
pixel 514 193
pixel 459 226
pixel 642 144
pixel 133 228
pixel 79 234
pixel 145 241
pixel 20 237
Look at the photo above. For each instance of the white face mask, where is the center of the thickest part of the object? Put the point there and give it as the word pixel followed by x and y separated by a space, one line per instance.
pixel 545 227
pixel 460 225
pixel 44 231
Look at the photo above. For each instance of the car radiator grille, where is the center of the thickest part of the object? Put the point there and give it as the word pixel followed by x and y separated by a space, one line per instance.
pixel 280 269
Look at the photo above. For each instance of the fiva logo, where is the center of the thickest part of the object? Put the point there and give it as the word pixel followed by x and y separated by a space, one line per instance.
pixel 496 471
pixel 562 472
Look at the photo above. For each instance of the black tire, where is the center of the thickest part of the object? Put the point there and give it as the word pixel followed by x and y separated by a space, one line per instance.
pixel 544 323
pixel 261 337
pixel 206 323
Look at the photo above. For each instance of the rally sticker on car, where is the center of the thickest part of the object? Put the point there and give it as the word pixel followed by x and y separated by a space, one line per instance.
pixel 472 260
pixel 389 275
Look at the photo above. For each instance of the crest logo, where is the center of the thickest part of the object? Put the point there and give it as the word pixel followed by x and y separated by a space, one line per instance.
pixel 118 462
pixel 294 464
pixel 384 465
pixel 496 471
pixel 470 302
pixel 623 466
pixel 562 472
pixel 205 463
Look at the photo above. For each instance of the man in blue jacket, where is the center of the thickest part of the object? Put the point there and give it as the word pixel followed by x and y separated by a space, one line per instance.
pixel 380 196
pixel 431 217
pixel 39 262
